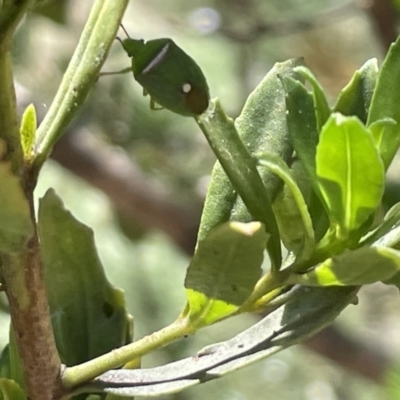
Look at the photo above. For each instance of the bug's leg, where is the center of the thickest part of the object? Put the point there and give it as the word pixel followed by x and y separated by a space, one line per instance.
pixel 153 105
pixel 122 71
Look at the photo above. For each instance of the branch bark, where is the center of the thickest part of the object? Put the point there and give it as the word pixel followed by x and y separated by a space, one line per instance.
pixel 31 322
pixel 21 267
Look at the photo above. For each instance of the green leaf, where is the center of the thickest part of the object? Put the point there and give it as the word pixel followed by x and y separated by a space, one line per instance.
pixel 16 367
pixel 10 363
pixel 15 218
pixel 350 172
pixel 262 127
pixel 224 270
pixel 384 135
pixel 355 98
pixel 302 123
pixel 240 167
pixel 28 131
pixel 391 378
pixel 322 109
pixel 262 123
pixel 5 369
pixel 304 136
pixel 10 390
pixel 88 314
pixel 386 99
pixel 112 396
pixel 391 221
pixel 352 268
pixel 289 219
pixel 277 166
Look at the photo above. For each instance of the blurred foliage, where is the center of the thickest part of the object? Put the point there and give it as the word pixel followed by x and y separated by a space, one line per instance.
pixel 235 43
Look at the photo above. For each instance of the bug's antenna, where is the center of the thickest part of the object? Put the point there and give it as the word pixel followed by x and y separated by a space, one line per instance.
pixel 126 33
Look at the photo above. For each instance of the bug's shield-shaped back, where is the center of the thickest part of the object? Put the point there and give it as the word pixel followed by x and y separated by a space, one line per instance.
pixel 170 76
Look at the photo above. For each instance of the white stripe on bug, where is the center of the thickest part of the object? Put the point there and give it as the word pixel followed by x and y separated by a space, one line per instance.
pixel 157 59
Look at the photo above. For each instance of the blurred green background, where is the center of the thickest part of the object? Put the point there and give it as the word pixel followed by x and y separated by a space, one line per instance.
pixel 139 177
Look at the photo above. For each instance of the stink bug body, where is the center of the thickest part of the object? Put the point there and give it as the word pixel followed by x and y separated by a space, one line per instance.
pixel 170 76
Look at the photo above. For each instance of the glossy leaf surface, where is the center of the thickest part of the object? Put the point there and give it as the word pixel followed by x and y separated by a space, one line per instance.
pixel 350 172
pixel 28 131
pixel 357 267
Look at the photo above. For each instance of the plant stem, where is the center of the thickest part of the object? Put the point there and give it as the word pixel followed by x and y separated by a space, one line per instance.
pixel 21 269
pixel 31 322
pixel 79 374
pixel 265 285
pixel 81 75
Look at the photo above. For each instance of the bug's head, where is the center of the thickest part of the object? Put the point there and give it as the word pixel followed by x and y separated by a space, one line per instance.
pixel 131 46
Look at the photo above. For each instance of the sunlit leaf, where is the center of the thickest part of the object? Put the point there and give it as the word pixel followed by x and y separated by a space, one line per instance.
pixel 322 109
pixel 350 172
pixel 28 131
pixel 262 123
pixel 10 390
pixel 355 98
pixel 391 221
pixel 224 270
pixel 262 127
pixel 381 131
pixel 354 267
pixel 241 169
pixel 391 382
pixel 385 101
pixel 277 166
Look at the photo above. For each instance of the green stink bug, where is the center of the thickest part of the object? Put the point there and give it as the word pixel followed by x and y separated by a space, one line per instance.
pixel 170 76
